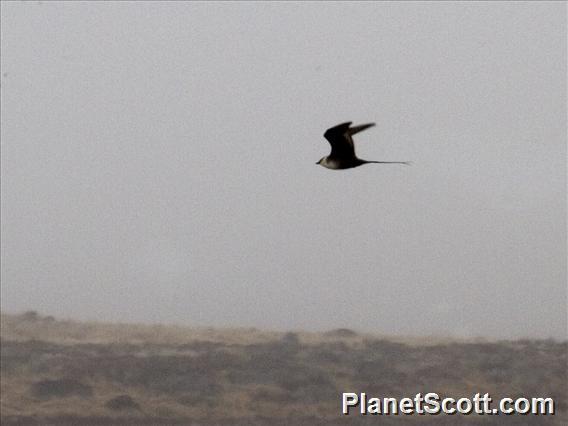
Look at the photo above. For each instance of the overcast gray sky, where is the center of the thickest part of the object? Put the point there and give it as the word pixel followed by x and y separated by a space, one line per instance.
pixel 158 165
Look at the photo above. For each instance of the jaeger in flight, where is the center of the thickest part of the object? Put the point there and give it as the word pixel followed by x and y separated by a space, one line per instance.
pixel 342 154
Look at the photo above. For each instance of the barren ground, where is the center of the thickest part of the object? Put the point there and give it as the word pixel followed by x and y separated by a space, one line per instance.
pixel 72 373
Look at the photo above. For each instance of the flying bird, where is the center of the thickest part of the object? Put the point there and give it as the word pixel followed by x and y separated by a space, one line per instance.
pixel 342 154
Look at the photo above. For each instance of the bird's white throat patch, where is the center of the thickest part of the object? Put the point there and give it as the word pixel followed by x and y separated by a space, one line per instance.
pixel 330 164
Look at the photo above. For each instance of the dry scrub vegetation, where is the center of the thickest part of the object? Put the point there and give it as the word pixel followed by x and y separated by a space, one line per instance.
pixel 71 373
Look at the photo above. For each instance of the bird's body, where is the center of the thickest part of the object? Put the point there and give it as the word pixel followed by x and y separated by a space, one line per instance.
pixel 342 154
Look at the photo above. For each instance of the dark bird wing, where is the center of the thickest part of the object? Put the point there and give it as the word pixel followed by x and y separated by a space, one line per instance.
pixel 340 138
pixel 360 128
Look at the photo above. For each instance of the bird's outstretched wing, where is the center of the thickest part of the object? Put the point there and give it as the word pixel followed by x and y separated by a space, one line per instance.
pixel 340 139
pixel 359 128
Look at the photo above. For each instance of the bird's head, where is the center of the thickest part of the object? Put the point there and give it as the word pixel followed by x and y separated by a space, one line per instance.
pixel 321 160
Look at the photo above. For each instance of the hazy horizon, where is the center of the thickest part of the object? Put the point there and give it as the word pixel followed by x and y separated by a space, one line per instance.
pixel 158 165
